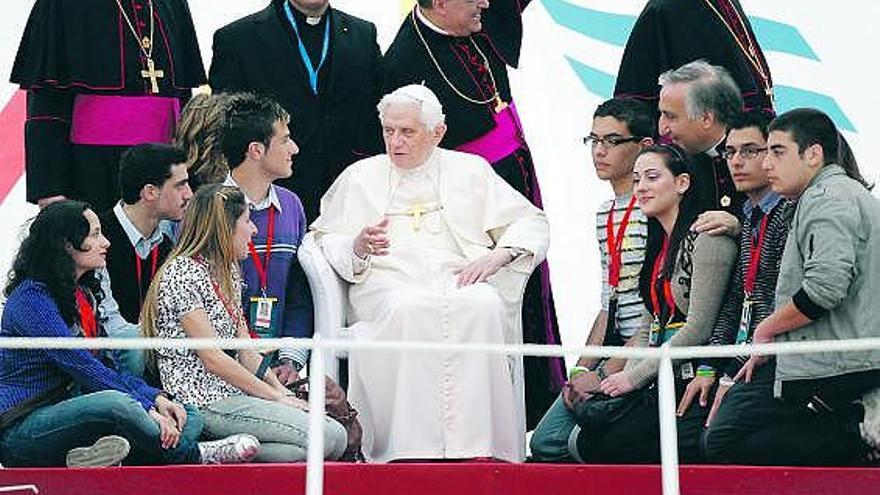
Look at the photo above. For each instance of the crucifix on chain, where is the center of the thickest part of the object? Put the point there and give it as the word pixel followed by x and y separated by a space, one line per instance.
pixel 153 75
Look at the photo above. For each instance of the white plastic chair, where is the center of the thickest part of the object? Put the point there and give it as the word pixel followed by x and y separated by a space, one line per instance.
pixel 330 296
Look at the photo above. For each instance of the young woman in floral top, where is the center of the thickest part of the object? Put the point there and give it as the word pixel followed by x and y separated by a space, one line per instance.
pixel 196 294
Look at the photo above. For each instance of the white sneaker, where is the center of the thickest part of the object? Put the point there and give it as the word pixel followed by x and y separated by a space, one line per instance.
pixel 234 449
pixel 870 426
pixel 106 451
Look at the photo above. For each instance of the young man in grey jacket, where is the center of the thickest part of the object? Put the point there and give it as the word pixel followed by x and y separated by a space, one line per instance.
pixel 803 408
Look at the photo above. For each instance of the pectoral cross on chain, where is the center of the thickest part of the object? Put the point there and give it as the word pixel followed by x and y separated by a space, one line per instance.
pixel 417 211
pixel 153 75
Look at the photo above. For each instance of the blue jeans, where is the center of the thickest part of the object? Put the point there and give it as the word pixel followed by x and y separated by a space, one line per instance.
pixel 281 429
pixel 555 438
pixel 43 437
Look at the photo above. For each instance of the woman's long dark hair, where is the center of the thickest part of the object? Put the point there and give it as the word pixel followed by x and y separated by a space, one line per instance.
pixel 688 209
pixel 43 256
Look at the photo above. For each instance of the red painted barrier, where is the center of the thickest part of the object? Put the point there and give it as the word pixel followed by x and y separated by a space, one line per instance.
pixel 454 478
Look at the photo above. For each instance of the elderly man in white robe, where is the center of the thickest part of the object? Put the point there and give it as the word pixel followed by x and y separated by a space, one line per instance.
pixel 437 248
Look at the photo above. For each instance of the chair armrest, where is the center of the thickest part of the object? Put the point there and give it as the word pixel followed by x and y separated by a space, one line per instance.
pixel 329 293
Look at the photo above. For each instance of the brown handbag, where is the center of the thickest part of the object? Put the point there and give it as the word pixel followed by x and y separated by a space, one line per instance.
pixel 337 407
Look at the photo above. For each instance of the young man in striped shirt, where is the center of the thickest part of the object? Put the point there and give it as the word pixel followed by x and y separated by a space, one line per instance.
pixel 620 129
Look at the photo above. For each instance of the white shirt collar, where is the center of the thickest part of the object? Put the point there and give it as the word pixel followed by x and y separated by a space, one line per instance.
pixel 271 199
pixel 142 245
pixel 431 25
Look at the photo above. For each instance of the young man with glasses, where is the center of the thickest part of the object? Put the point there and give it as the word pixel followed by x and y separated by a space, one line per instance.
pixel 621 128
pixel 801 409
pixel 765 220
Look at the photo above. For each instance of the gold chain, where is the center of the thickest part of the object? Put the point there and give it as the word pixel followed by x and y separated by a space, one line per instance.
pixel 496 97
pixel 751 52
pixel 146 44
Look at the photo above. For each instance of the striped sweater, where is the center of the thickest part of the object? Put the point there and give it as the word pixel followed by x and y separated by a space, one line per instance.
pixel 629 302
pixel 763 297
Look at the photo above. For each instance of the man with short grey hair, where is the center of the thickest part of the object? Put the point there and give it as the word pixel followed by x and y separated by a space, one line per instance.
pixel 437 248
pixel 697 101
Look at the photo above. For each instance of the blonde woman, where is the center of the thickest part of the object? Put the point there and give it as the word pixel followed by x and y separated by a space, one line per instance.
pixel 197 294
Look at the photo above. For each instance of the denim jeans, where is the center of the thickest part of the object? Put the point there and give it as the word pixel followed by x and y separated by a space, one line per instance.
pixel 555 438
pixel 43 437
pixel 753 427
pixel 281 429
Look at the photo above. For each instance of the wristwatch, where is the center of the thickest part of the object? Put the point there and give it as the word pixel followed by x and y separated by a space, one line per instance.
pixel 296 365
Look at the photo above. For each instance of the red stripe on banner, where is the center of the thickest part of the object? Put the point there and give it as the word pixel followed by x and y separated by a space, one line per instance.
pixel 12 143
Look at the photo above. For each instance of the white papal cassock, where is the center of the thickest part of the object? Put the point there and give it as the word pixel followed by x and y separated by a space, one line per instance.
pixel 443 215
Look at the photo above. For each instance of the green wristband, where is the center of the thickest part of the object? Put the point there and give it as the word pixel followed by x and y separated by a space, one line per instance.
pixel 576 370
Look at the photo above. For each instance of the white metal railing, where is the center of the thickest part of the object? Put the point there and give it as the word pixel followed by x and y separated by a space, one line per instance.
pixel 318 346
pixel 19 488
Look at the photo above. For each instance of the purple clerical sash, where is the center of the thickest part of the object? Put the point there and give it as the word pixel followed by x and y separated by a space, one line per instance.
pixel 101 120
pixel 501 141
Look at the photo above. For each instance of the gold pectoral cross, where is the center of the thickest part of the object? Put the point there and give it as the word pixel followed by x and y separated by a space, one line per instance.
pixel 417 211
pixel 500 104
pixel 153 75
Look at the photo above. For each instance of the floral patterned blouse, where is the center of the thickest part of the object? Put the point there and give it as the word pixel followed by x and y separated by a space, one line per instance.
pixel 186 286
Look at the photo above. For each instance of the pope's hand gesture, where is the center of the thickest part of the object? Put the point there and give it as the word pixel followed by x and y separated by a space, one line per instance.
pixel 372 240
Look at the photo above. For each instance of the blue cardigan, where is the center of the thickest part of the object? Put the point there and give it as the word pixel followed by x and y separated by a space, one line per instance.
pixel 30 311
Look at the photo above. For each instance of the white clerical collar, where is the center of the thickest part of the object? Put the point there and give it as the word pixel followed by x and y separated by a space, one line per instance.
pixel 431 25
pixel 271 199
pixel 429 169
pixel 713 152
pixel 142 245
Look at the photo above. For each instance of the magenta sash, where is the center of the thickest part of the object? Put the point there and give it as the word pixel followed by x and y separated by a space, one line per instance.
pixel 100 120
pixel 501 141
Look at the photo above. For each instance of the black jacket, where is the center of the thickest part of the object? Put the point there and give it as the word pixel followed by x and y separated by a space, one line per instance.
pixel 334 128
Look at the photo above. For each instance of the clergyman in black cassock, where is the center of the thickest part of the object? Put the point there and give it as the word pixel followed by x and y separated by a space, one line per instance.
pixel 671 33
pixel 100 76
pixel 335 122
pixel 469 75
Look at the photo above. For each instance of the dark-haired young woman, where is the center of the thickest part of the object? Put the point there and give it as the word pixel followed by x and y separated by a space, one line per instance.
pixel 52 292
pixel 683 279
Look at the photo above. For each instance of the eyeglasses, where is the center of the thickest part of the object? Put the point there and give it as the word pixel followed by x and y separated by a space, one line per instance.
pixel 609 141
pixel 748 153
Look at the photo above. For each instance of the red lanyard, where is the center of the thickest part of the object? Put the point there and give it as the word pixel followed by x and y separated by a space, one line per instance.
pixel 755 257
pixel 86 314
pixel 236 316
pixel 154 262
pixel 667 287
pixel 615 242
pixel 262 267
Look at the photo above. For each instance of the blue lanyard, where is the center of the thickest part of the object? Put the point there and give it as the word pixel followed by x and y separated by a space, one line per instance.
pixel 313 72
